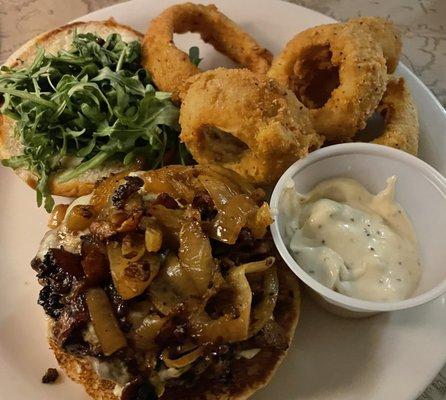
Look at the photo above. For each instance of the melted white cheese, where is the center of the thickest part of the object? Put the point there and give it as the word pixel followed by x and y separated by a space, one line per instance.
pixel 49 241
pixel 171 373
pixel 117 391
pixel 359 244
pixel 114 370
pixel 61 236
pixel 89 335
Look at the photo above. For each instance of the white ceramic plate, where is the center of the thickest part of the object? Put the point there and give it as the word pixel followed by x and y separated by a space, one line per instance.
pixel 388 357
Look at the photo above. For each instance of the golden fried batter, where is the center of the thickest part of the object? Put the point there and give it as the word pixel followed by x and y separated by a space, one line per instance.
pixel 245 122
pixel 401 129
pixel 386 34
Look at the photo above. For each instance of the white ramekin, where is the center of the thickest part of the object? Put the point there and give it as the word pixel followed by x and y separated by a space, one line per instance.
pixel 420 190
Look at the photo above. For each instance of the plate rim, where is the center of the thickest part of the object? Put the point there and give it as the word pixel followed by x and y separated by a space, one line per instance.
pixel 406 71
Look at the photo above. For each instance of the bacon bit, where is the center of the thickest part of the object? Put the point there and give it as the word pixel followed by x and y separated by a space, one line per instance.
pixel 50 376
pixel 139 271
pixel 94 260
pixel 68 262
pixel 204 203
pixel 123 192
pixel 167 201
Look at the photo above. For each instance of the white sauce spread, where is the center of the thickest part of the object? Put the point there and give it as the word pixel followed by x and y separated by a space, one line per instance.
pixel 356 243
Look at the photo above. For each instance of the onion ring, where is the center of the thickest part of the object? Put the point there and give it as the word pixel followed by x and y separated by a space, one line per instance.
pixel 320 52
pixel 386 34
pixel 170 67
pixel 245 122
pixel 401 129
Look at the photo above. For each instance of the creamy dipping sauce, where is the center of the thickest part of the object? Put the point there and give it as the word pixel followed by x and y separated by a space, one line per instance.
pixel 356 243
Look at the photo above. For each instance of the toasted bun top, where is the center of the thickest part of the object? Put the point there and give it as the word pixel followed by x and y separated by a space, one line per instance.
pixel 54 41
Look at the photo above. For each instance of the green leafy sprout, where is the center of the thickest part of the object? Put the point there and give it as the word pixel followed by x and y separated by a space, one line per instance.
pixel 85 106
pixel 194 55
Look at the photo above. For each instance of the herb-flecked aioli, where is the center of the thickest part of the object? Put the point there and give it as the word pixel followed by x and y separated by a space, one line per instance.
pixel 356 243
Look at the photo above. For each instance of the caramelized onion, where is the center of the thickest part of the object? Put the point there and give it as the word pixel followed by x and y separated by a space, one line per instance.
pixel 153 237
pixel 232 217
pixel 259 221
pixel 220 192
pixel 170 180
pixel 104 189
pixel 80 217
pixel 170 221
pixel 228 328
pixel 189 354
pixel 104 322
pixel 57 215
pixel 153 183
pixel 131 278
pixel 144 336
pixel 171 286
pixel 178 277
pixel 133 246
pixel 263 311
pixel 195 253
pixel 111 220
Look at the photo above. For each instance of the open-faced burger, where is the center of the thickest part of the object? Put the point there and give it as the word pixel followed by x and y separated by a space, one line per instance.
pixel 165 284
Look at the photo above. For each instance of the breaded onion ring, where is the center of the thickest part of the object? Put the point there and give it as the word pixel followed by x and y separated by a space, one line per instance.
pixel 170 67
pixel 385 32
pixel 401 129
pixel 245 122
pixel 336 70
